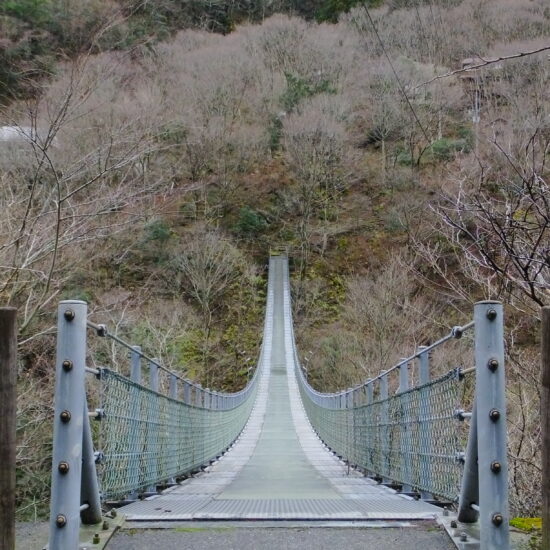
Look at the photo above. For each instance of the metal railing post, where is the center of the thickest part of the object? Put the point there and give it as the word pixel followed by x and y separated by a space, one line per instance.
pixel 405 429
pixel 491 425
pixel 199 396
pixel 384 444
pixel 173 389
pixel 370 391
pixel 68 423
pixel 424 365
pixel 154 376
pixel 187 392
pixel 425 426
pixel 172 443
pixel 152 432
pixel 89 492
pixel 135 367
pixel 350 432
pixel 469 490
pixel 370 442
pixel 136 441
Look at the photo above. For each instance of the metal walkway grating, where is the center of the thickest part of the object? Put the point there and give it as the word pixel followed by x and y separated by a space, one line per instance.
pixel 278 469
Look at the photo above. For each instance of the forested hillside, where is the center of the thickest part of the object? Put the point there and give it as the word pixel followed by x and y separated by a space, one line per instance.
pixel 34 34
pixel 164 164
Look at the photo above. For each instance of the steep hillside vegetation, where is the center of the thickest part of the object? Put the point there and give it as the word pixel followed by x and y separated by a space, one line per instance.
pixel 36 33
pixel 158 177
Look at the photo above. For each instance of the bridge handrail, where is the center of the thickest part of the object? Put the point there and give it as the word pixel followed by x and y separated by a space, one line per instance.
pixel 103 331
pixel 148 436
pixel 376 433
pixel 455 333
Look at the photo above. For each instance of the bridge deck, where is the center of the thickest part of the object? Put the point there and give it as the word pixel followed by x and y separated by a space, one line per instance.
pixel 278 468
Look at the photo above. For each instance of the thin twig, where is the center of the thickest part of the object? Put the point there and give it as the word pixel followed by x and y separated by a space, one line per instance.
pixel 483 64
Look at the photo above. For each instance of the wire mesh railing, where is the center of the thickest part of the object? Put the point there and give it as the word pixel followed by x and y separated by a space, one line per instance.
pixel 147 438
pixel 148 435
pixel 402 429
pixel 415 437
pixel 411 431
pixel 151 429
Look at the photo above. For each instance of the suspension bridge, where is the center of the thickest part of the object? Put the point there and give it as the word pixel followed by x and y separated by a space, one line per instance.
pixel 400 446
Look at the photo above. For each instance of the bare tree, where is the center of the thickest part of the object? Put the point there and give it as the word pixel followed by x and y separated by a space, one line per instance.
pixel 59 196
pixel 206 268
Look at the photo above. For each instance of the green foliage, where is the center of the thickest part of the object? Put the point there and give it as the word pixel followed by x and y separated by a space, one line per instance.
pixel 250 223
pixel 86 295
pixel 190 351
pixel 34 12
pixel 158 230
pixel 172 132
pixel 393 222
pixel 532 526
pixel 275 131
pixel 466 133
pixel 445 149
pixel 331 9
pixel 404 158
pixel 299 88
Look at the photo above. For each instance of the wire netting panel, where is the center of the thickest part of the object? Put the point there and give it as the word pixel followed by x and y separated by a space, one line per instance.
pixel 147 438
pixel 412 438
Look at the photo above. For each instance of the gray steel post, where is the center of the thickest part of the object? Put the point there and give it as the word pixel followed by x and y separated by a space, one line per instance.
pixel 187 392
pixel 152 432
pixel 68 422
pixel 384 444
pixel 173 440
pixel 173 391
pixel 207 399
pixel 154 376
pixel 469 492
pixel 424 365
pixel 89 492
pixel 405 428
pixel 135 367
pixel 425 425
pixel 491 426
pixel 135 437
pixel 370 392
pixel 403 377
pixel 350 432
pixel 199 396
pixel 370 442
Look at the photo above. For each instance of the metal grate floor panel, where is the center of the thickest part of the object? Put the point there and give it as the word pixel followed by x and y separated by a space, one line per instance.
pixel 279 469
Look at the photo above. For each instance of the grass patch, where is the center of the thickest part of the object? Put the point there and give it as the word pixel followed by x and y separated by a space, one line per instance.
pixel 526 524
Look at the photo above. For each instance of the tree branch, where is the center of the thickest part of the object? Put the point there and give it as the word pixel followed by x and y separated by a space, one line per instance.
pixel 483 64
